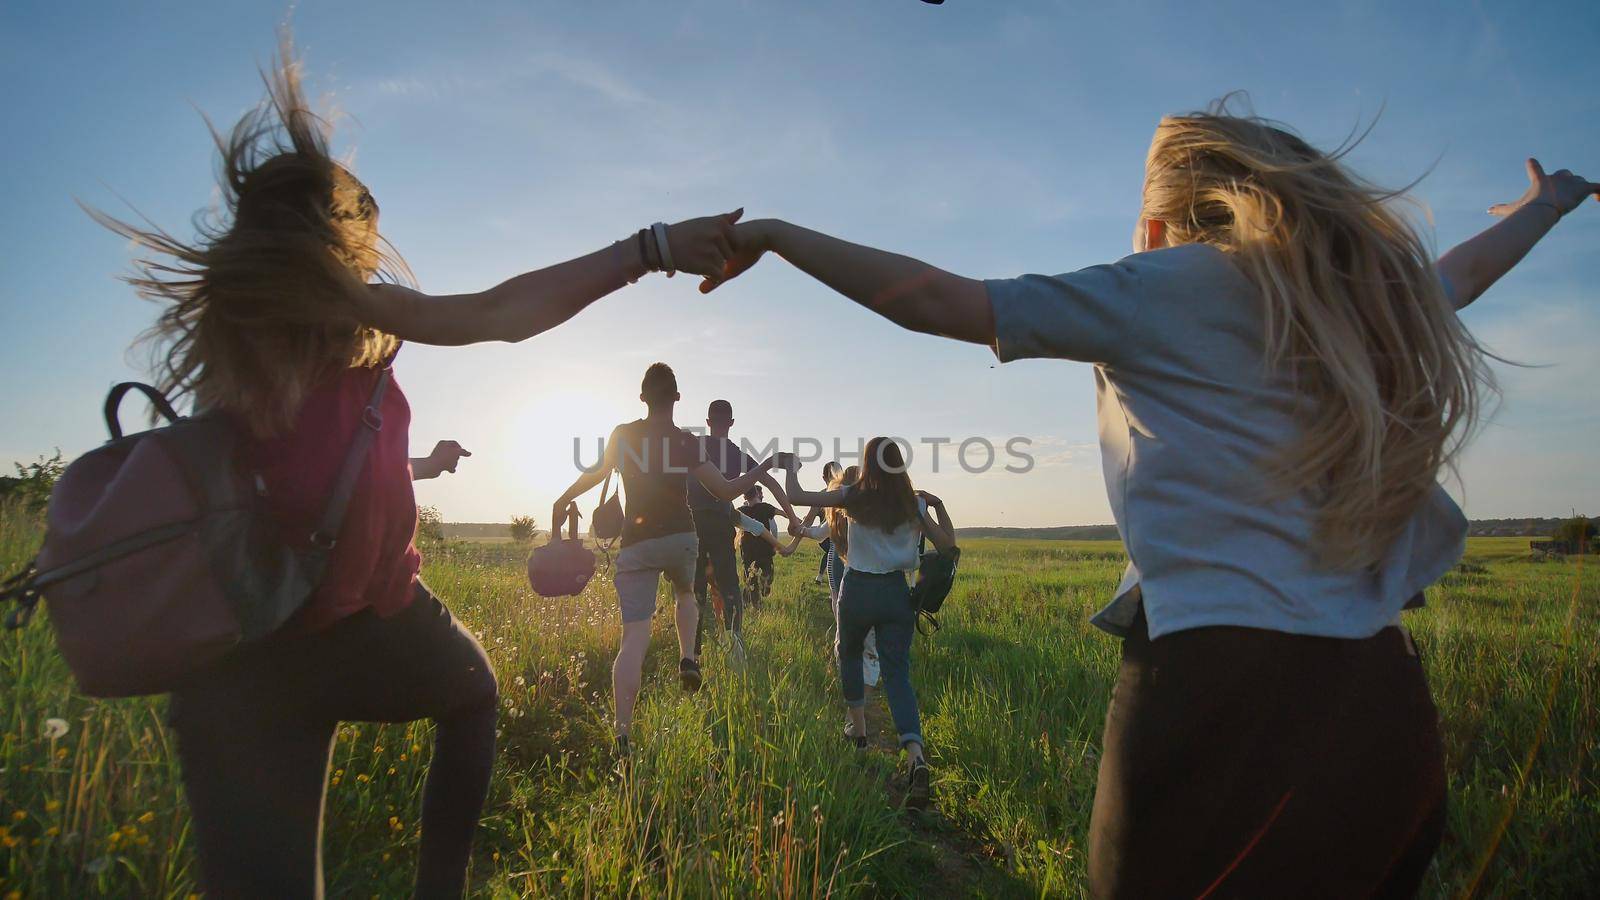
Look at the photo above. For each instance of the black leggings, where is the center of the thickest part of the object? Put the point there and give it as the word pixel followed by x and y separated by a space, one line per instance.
pixel 714 529
pixel 254 736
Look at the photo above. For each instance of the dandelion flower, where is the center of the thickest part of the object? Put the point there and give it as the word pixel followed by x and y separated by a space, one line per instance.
pixel 54 728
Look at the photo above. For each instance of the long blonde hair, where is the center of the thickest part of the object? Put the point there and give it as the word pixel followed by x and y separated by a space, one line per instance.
pixel 261 304
pixel 1355 315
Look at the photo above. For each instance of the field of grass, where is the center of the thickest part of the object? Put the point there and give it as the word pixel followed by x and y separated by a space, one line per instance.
pixel 745 789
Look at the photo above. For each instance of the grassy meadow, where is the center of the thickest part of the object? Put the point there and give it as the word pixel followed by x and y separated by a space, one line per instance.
pixel 746 788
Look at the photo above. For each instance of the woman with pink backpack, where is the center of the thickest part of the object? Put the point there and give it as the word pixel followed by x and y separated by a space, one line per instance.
pixel 271 317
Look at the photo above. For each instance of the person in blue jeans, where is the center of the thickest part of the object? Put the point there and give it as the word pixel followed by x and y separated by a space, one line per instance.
pixel 887 518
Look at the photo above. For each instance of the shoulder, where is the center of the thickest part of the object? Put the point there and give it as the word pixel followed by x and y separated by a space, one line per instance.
pixel 1186 267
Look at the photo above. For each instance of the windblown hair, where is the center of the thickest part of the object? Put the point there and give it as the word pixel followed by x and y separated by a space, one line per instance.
pixel 262 303
pixel 883 497
pixel 1354 311
pixel 836 517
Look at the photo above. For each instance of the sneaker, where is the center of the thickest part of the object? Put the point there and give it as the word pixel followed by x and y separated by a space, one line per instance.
pixel 858 741
pixel 689 673
pixel 918 789
pixel 736 649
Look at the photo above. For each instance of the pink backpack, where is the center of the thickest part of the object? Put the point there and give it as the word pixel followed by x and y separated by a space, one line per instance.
pixel 158 556
pixel 563 567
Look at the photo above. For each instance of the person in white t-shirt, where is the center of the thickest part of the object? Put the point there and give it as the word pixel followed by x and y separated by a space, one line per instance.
pixel 887 520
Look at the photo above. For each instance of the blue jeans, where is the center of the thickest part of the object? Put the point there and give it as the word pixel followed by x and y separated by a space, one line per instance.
pixel 883 602
pixel 835 573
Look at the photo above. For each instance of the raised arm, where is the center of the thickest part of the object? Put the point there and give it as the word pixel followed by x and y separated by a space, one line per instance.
pixel 723 488
pixel 1478 262
pixel 782 496
pixel 908 292
pixel 798 494
pixel 586 482
pixel 939 530
pixel 538 301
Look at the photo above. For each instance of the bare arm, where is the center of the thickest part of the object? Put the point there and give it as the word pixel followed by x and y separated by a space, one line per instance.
pixel 798 494
pixel 586 482
pixel 538 301
pixel 940 531
pixel 908 292
pixel 1478 262
pixel 445 457
pixel 722 488
pixel 780 495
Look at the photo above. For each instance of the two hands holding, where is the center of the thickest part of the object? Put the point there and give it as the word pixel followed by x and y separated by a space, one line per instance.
pixel 719 248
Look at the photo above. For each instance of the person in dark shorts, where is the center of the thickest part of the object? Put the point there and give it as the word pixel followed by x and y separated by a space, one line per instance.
pixel 715 525
pixel 657 459
pixel 756 554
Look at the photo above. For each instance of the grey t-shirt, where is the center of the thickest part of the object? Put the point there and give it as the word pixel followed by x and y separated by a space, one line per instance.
pixel 1187 413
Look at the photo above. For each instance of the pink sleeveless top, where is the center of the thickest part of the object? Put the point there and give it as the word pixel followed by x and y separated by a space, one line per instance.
pixel 375 560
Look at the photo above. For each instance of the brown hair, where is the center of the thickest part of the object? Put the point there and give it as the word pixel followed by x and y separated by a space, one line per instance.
pixel 1355 314
pixel 883 497
pixel 261 304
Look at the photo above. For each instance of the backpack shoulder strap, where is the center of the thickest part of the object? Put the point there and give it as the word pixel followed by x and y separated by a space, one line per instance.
pixel 327 532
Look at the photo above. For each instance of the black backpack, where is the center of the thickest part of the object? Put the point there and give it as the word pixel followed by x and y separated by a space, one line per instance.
pixel 936 575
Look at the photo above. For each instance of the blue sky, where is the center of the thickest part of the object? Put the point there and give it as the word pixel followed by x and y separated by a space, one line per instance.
pixel 992 139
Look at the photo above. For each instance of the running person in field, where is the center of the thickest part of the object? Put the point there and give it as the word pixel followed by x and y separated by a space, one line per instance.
pixel 656 459
pixel 887 520
pixel 831 535
pixel 1281 377
pixel 830 471
pixel 756 554
pixel 271 316
pixel 715 525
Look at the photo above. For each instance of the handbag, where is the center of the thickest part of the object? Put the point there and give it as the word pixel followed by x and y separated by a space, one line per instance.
pixel 563 567
pixel 159 556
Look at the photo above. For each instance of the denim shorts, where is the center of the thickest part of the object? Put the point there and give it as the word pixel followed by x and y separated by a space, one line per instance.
pixel 640 567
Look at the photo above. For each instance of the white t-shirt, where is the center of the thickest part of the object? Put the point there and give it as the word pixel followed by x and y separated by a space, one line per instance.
pixel 1188 412
pixel 879 552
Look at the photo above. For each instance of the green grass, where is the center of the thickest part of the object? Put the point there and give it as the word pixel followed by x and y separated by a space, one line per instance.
pixel 745 790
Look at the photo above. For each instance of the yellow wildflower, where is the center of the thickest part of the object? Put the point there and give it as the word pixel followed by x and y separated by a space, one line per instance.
pixel 147 818
pixel 19 815
pixel 52 805
pixel 391 770
pixel 363 778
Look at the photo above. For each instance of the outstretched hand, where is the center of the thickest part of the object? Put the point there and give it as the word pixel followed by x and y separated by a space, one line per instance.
pixel 749 244
pixel 1560 190
pixel 703 246
pixel 447 455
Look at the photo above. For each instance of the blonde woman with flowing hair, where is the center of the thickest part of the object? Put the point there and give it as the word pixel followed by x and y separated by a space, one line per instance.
pixel 1281 379
pixel 286 313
